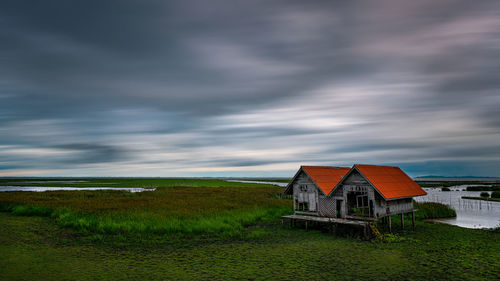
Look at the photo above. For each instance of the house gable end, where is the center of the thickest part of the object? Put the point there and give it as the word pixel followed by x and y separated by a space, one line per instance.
pixel 300 172
pixel 348 177
pixel 289 188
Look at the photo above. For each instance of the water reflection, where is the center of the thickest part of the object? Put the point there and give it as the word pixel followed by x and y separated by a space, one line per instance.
pixel 470 213
pixel 261 182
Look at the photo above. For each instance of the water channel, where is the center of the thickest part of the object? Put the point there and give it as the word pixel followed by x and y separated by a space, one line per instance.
pixel 47 188
pixel 470 213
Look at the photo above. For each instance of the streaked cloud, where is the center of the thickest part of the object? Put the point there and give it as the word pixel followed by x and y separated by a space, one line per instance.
pixel 183 88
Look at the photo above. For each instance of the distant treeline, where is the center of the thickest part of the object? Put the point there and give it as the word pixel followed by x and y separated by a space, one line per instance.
pixel 483 188
pixel 469 188
pixel 441 184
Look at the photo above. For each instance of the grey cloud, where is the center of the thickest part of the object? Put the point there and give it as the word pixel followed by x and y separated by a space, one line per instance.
pixel 61 157
pixel 121 82
pixel 94 66
pixel 93 153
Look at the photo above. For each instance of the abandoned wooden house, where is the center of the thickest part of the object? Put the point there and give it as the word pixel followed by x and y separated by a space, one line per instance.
pixel 361 192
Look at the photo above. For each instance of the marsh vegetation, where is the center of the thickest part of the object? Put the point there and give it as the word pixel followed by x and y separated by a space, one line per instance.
pixel 206 229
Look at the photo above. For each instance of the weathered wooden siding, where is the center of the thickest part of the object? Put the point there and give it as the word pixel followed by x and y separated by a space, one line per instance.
pixel 399 206
pixel 305 191
pixel 380 205
pixel 353 183
pixel 355 179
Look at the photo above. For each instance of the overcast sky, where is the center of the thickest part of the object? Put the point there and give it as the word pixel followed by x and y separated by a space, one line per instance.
pixel 248 88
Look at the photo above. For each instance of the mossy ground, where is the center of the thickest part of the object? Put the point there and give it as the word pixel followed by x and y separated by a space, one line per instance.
pixel 39 248
pixel 34 248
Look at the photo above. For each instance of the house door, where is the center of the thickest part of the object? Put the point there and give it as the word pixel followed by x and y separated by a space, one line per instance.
pixel 339 208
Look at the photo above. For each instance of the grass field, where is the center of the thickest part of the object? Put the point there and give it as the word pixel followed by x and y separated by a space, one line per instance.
pixel 178 206
pixel 210 229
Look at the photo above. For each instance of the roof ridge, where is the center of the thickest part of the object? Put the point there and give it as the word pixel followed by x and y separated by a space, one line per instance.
pixel 325 177
pixel 396 184
pixel 377 165
pixel 335 167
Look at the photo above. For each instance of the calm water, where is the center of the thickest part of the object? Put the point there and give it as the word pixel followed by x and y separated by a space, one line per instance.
pixel 283 184
pixel 45 188
pixel 470 213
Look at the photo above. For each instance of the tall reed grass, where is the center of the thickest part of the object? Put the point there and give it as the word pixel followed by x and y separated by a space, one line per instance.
pixel 168 210
pixel 431 210
pixel 116 223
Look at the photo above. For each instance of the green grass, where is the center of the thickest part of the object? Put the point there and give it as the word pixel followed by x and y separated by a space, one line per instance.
pixel 210 229
pixel 484 194
pixel 199 206
pixel 430 210
pixel 495 194
pixel 483 188
pixel 121 182
pixel 33 248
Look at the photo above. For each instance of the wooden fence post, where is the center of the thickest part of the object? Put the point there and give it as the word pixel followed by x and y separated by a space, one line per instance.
pixel 402 221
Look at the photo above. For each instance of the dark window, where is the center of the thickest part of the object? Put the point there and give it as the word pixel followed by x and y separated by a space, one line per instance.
pixel 301 206
pixel 358 204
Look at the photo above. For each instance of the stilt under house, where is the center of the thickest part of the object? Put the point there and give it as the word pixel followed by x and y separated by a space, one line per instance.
pixel 363 192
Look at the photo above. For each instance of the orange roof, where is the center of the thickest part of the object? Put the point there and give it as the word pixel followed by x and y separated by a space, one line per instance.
pixel 391 182
pixel 325 177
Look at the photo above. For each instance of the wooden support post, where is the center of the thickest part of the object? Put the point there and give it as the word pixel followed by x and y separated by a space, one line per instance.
pixel 413 219
pixel 402 221
pixel 282 222
pixel 306 225
pixel 389 221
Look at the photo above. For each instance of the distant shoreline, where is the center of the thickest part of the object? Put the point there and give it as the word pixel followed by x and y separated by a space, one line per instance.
pixel 451 179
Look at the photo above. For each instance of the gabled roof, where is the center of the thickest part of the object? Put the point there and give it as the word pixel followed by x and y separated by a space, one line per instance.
pixel 325 177
pixel 391 182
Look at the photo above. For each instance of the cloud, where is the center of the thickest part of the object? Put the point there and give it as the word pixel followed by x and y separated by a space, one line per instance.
pixel 93 153
pixel 237 88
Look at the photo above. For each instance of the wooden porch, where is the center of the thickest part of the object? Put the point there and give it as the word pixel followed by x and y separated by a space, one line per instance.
pixel 362 225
